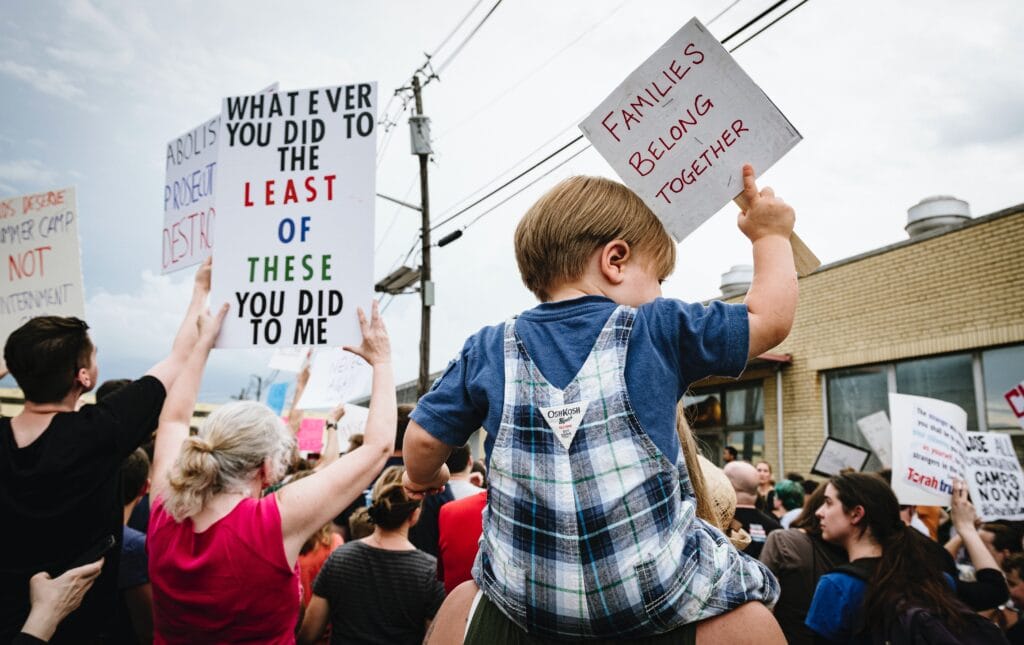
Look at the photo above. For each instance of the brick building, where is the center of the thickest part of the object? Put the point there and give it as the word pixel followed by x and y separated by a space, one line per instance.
pixel 938 315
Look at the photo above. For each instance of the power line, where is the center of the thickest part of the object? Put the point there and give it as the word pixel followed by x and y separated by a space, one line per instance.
pixel 548 60
pixel 507 183
pixel 753 20
pixel 797 6
pixel 723 12
pixel 457 27
pixel 464 42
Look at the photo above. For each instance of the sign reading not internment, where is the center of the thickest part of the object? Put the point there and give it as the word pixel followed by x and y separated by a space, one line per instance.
pixel 42 270
pixel 295 199
pixel 679 129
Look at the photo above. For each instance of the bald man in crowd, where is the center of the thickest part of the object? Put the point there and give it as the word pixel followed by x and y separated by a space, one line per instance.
pixel 743 477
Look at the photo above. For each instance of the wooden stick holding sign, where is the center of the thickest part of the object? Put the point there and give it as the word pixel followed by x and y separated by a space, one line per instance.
pixel 678 130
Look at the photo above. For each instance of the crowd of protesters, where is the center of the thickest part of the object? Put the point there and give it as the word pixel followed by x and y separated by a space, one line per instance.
pixel 126 525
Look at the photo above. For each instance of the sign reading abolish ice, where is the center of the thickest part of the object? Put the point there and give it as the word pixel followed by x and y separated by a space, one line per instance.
pixel 295 198
pixel 994 476
pixel 42 272
pixel 928 449
pixel 190 164
pixel 679 129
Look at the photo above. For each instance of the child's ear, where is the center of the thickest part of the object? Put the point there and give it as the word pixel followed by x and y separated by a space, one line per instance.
pixel 614 256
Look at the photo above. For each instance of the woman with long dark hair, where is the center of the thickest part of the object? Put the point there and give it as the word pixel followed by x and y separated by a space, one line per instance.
pixel 897 570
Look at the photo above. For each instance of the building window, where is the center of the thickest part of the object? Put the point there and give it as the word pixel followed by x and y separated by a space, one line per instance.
pixel 947 378
pixel 975 381
pixel 854 394
pixel 731 416
pixel 1002 368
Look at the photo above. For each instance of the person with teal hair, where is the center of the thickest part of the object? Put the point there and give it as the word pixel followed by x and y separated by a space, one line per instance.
pixel 791 494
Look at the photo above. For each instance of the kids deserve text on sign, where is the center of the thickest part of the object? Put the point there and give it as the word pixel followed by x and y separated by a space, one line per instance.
pixel 42 270
pixel 295 200
pixel 679 129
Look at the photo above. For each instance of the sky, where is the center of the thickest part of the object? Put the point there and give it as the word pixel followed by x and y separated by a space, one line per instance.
pixel 895 102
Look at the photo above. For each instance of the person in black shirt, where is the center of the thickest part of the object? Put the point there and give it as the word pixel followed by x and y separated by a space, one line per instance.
pixel 744 480
pixel 59 484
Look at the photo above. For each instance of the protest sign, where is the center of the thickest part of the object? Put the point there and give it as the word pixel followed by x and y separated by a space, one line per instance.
pixel 994 476
pixel 190 166
pixel 835 455
pixel 876 430
pixel 311 435
pixel 680 127
pixel 295 204
pixel 335 376
pixel 928 449
pixel 1015 399
pixel 276 395
pixel 288 359
pixel 42 270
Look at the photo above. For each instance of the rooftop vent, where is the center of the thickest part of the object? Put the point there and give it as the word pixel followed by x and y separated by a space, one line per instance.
pixel 736 280
pixel 936 213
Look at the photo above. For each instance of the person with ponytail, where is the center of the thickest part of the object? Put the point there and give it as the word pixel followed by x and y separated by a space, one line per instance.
pixel 223 560
pixel 894 583
pixel 379 589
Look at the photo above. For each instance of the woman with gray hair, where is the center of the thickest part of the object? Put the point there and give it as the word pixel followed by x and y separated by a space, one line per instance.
pixel 223 559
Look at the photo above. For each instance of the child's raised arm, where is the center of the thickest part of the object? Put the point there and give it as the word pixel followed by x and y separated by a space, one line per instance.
pixel 424 457
pixel 772 297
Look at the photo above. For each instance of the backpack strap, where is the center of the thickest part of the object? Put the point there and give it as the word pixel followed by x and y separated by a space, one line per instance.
pixel 863 569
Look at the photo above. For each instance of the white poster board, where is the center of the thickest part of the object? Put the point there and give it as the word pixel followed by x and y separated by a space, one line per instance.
pixel 190 167
pixel 335 376
pixel 878 433
pixel 836 455
pixel 928 448
pixel 679 129
pixel 288 359
pixel 354 422
pixel 994 476
pixel 42 269
pixel 1015 399
pixel 295 206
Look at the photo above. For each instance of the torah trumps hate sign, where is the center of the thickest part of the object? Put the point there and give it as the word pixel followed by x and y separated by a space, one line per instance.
pixel 295 198
pixel 679 129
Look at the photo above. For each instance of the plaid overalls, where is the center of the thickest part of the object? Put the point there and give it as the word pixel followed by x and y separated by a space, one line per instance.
pixel 598 539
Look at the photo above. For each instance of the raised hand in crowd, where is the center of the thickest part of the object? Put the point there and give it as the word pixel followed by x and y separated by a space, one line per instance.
pixel 168 369
pixel 295 414
pixel 331 449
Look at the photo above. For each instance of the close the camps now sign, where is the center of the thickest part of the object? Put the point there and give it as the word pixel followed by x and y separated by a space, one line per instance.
pixel 295 205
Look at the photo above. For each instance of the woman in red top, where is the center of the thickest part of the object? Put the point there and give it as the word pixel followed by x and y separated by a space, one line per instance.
pixel 222 560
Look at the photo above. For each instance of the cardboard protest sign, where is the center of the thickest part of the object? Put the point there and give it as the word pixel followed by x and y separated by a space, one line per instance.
pixel 994 476
pixel 836 454
pixel 288 359
pixel 680 127
pixel 42 270
pixel 311 436
pixel 878 433
pixel 1015 399
pixel 928 449
pixel 190 166
pixel 295 205
pixel 335 376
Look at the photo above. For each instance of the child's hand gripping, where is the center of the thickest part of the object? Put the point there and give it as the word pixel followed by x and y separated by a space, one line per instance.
pixel 763 213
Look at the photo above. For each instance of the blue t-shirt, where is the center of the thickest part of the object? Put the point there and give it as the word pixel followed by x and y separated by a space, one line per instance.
pixel 134 569
pixel 836 606
pixel 672 345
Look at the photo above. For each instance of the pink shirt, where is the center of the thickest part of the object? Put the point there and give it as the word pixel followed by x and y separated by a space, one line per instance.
pixel 229 584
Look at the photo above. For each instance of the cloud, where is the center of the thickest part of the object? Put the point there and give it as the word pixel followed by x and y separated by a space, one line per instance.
pixel 134 331
pixel 30 172
pixel 47 81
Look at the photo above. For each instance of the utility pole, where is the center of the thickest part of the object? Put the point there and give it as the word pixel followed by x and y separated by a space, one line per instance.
pixel 419 126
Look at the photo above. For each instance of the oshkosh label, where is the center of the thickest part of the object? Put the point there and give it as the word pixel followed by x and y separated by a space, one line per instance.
pixel 565 420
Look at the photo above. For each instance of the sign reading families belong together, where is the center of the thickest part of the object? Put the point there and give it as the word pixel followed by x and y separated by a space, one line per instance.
pixel 679 129
pixel 295 190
